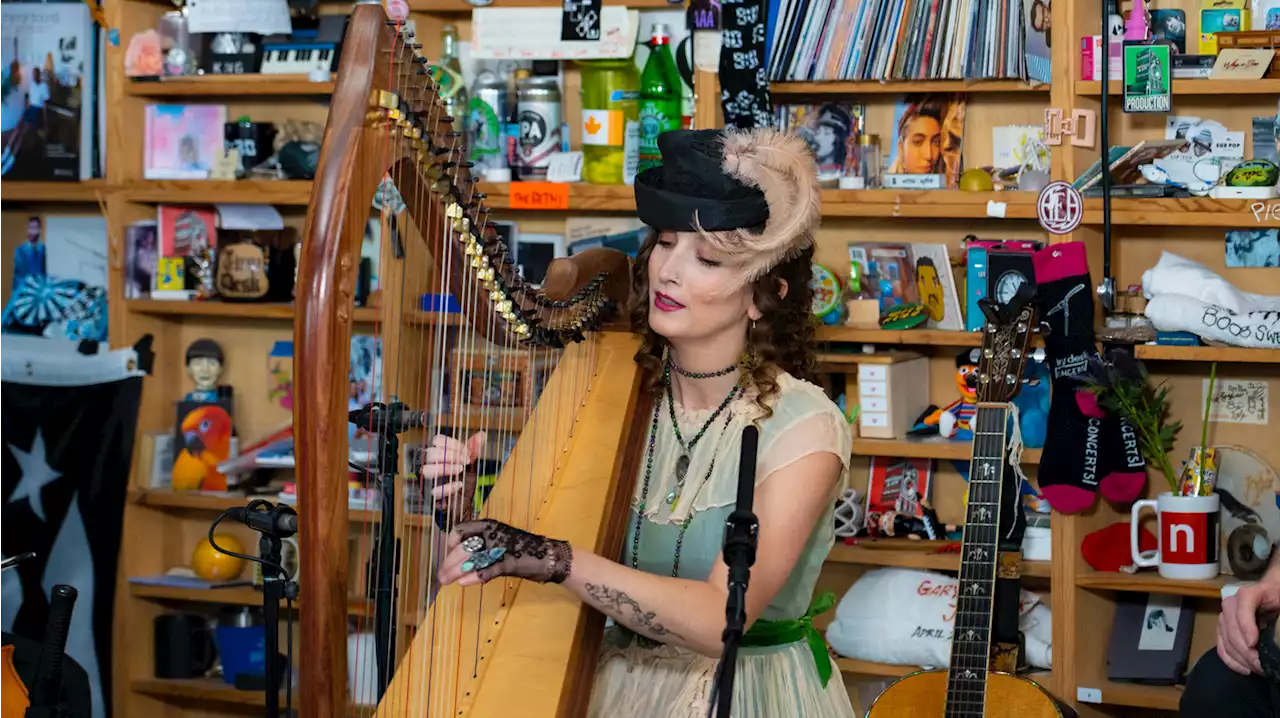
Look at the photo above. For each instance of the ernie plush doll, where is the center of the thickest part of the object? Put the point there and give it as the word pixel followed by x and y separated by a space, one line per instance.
pixel 953 421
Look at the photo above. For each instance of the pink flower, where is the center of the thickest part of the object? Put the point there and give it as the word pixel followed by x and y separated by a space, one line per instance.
pixel 143 58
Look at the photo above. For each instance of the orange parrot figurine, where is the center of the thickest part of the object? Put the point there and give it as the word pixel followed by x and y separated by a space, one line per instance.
pixel 206 441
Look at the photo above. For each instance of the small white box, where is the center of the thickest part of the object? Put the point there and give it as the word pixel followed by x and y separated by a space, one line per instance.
pixel 873 388
pixel 874 372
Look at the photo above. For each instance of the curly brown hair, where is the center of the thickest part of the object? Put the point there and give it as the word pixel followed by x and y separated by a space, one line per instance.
pixel 782 340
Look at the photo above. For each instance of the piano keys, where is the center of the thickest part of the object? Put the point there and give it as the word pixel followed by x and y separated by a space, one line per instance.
pixel 294 58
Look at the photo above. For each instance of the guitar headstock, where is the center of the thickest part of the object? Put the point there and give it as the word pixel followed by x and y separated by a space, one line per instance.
pixel 1005 340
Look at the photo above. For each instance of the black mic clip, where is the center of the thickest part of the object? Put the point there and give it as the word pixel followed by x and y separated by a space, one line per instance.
pixel 274 520
pixel 741 536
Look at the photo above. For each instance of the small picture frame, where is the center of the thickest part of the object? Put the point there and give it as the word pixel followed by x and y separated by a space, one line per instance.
pixel 534 253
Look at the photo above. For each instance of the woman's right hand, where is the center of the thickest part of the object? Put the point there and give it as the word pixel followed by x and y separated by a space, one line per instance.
pixel 444 465
pixel 1238 623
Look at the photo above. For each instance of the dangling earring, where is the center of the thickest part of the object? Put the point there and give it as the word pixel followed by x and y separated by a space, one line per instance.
pixel 748 360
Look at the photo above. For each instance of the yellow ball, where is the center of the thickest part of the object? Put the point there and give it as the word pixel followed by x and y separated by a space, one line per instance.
pixel 976 180
pixel 212 565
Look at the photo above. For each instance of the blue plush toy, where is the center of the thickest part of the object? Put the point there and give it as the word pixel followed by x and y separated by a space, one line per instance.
pixel 1033 405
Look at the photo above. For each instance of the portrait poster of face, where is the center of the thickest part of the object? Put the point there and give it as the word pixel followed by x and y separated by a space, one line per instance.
pixel 928 136
pixel 830 130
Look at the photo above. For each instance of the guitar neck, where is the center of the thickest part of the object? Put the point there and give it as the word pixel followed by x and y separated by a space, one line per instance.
pixel 980 554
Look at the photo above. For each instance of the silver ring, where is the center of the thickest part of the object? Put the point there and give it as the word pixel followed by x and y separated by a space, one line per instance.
pixel 473 544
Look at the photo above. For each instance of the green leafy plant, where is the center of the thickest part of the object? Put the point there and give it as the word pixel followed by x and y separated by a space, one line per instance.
pixel 1123 387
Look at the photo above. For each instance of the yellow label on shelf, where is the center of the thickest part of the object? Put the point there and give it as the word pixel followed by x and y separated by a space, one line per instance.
pixel 603 127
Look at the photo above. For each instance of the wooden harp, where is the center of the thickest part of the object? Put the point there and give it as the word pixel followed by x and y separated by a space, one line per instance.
pixel 508 647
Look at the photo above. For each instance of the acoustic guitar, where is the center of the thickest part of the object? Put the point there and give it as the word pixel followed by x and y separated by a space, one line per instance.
pixel 971 687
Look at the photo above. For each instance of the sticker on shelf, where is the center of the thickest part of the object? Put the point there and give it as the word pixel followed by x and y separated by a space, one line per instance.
pixel 1060 208
pixel 1088 695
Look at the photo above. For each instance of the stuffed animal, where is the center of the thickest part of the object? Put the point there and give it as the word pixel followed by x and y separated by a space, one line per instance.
pixel 953 421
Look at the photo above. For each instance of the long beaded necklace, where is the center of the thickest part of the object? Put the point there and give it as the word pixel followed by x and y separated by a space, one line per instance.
pixel 682 464
pixel 648 472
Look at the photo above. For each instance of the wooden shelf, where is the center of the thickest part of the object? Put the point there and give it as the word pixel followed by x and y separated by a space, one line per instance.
pixel 1194 87
pixel 926 449
pixel 1243 355
pixel 230 86
pixel 1140 696
pixel 295 193
pixel 238 596
pixel 855 667
pixel 1151 582
pixel 86 191
pixel 582 197
pixel 213 502
pixel 213 690
pixel 907 553
pixel 912 337
pixel 1183 212
pixel 246 310
pixel 927 204
pixel 902 87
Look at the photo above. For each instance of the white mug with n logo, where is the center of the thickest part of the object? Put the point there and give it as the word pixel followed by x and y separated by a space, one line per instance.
pixel 1188 536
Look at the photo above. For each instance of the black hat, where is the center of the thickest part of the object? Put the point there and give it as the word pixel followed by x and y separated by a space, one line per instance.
pixel 691 182
pixel 762 181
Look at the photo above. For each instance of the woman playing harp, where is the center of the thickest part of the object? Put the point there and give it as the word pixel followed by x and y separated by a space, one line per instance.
pixel 722 299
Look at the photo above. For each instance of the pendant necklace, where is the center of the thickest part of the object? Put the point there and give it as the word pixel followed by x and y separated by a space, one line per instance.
pixel 686 450
pixel 644 493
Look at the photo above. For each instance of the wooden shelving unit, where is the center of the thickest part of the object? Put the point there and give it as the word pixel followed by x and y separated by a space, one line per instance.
pixel 158 521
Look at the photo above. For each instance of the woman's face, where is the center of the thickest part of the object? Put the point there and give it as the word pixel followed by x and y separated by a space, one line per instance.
pixel 826 140
pixel 687 290
pixel 920 145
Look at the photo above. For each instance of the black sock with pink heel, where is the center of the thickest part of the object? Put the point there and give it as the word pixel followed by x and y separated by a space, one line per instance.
pixel 1069 467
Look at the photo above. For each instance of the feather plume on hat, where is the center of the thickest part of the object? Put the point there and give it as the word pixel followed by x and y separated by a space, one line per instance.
pixel 782 167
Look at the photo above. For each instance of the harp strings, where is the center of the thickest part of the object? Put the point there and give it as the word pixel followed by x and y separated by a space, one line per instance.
pixel 482 375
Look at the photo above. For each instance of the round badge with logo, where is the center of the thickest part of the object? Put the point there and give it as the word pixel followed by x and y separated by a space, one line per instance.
pixel 397 10
pixel 904 316
pixel 1060 208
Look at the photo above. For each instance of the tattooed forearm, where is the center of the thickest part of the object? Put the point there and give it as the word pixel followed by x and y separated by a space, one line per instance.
pixel 624 608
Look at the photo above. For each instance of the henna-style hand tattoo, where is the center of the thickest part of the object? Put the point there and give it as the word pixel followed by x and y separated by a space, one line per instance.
pixel 624 605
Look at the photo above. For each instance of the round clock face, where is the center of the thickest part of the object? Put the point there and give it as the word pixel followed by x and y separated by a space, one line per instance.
pixel 1007 285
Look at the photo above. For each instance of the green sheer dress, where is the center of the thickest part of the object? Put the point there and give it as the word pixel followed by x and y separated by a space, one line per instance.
pixel 786 673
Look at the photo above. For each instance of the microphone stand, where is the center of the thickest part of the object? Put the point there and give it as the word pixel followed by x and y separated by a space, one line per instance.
pixel 276 523
pixel 387 422
pixel 741 533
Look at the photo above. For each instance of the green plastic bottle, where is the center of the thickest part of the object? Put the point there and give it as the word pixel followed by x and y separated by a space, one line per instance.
pixel 660 96
pixel 610 121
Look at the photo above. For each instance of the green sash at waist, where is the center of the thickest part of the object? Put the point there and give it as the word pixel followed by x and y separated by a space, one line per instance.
pixel 777 633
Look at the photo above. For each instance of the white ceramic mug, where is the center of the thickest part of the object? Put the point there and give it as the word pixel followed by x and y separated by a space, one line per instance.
pixel 1188 535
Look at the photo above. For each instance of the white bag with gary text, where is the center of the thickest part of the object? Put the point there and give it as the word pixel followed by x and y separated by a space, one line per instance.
pixel 905 617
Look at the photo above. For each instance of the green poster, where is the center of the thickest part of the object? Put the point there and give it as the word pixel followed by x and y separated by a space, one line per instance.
pixel 1146 78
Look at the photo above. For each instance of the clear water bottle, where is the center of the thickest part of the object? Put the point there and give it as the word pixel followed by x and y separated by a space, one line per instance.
pixel 448 75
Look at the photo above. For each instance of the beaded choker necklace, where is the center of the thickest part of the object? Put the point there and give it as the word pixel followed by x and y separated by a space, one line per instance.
pixel 702 374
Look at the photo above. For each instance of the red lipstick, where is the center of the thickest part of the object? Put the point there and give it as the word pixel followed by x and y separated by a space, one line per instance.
pixel 666 304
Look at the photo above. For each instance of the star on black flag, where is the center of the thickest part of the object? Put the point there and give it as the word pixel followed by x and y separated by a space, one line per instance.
pixel 68 434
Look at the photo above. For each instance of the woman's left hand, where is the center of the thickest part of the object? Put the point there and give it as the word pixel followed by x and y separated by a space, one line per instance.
pixel 479 551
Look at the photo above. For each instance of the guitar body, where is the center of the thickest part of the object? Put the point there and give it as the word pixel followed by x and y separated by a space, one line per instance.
pixel 924 695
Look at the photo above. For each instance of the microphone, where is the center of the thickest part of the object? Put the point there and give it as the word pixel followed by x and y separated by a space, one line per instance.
pixel 280 521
